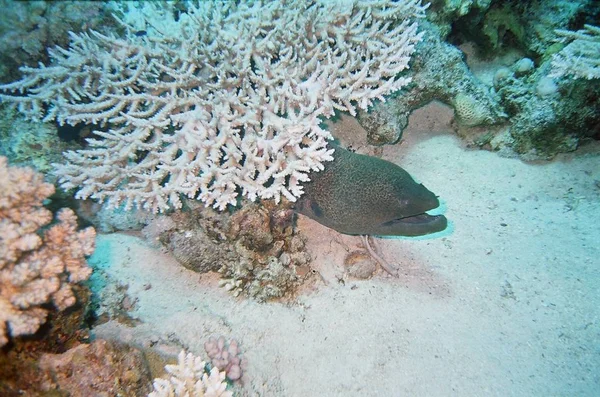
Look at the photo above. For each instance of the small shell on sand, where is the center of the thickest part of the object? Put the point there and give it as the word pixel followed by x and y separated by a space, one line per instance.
pixel 359 264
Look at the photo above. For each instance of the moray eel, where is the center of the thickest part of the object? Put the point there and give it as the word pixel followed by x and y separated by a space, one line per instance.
pixel 357 194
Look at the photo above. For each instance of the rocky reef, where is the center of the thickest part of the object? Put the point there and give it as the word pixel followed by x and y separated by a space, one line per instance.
pixel 256 249
pixel 491 62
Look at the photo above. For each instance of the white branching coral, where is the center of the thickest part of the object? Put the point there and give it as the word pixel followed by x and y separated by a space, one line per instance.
pixel 189 378
pixel 35 269
pixel 581 57
pixel 225 98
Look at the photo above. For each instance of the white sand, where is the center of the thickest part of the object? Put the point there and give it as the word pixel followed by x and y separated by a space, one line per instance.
pixel 504 304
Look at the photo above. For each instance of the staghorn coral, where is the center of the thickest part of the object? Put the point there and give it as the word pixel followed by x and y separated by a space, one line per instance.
pixel 189 377
pixel 35 269
pixel 224 99
pixel 581 57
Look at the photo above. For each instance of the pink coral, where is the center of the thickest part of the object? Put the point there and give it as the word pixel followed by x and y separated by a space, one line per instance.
pixel 225 356
pixel 36 269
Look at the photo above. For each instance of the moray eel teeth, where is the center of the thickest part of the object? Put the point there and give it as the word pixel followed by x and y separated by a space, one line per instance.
pixel 357 194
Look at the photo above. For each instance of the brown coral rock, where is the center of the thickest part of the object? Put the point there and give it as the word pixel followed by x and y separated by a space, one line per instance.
pixel 196 238
pixel 195 250
pixel 255 249
pixel 101 368
pixel 252 226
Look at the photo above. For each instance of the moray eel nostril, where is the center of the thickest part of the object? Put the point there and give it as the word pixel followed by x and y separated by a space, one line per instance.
pixel 357 194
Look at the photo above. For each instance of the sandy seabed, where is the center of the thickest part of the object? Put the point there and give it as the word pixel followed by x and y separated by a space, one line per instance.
pixel 504 303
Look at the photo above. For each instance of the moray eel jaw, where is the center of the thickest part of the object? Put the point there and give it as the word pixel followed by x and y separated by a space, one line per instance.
pixel 416 225
pixel 414 220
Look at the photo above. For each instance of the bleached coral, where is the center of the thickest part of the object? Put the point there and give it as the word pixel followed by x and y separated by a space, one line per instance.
pixel 189 378
pixel 581 57
pixel 35 270
pixel 226 96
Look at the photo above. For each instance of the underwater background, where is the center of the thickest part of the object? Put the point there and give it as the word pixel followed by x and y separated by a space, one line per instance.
pixel 179 215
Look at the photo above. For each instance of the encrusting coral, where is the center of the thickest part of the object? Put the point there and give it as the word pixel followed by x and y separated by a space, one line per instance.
pixel 222 99
pixel 471 112
pixel 36 269
pixel 189 377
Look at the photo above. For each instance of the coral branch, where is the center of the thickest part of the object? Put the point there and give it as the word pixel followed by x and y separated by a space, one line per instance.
pixel 190 378
pixel 581 57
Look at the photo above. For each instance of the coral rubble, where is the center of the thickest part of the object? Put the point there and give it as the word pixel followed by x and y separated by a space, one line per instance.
pixel 256 249
pixel 100 368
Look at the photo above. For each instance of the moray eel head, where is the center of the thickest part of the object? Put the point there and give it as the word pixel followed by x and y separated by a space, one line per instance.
pixel 412 219
pixel 357 194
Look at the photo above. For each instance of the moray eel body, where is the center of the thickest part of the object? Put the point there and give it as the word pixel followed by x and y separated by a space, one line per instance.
pixel 357 194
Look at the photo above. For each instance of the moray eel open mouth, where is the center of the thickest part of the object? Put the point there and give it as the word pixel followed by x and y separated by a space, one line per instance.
pixel 416 225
